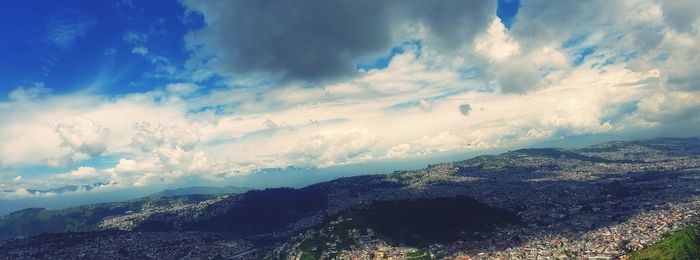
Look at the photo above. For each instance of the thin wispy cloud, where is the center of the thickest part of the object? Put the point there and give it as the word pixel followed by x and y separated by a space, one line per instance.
pixel 66 27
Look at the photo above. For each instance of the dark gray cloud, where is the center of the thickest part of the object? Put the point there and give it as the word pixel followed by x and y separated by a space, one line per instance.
pixel 516 76
pixel 542 21
pixel 617 112
pixel 681 14
pixel 451 24
pixel 465 109
pixel 318 40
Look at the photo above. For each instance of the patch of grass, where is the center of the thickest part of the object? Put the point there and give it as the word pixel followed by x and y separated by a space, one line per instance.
pixel 311 248
pixel 419 255
pixel 681 245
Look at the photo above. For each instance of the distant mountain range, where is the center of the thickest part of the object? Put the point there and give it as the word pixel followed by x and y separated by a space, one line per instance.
pixel 34 221
pixel 499 204
pixel 201 190
pixel 60 190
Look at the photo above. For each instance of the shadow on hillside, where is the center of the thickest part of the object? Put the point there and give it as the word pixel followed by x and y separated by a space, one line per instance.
pixel 570 208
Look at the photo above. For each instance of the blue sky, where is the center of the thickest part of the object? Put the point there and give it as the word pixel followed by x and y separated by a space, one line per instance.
pixel 144 95
pixel 74 45
pixel 77 45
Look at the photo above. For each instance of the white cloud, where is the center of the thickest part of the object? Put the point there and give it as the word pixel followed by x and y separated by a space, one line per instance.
pixel 151 138
pixel 129 173
pixel 334 147
pixel 508 68
pixel 83 136
pixel 495 43
pixel 509 88
pixel 182 88
pixel 18 193
pixel 140 50
pixel 135 37
pixel 427 145
pixel 21 94
pixel 83 172
pixel 670 107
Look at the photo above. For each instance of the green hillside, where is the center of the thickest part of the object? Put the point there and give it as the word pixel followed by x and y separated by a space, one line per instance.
pixel 683 244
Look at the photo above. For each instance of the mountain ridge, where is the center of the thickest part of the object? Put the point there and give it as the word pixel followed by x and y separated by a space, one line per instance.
pixel 549 188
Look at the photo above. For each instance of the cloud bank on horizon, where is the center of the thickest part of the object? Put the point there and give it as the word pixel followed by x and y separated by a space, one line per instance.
pixel 139 94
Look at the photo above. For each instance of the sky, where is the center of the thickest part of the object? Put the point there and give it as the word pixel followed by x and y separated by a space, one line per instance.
pixel 128 97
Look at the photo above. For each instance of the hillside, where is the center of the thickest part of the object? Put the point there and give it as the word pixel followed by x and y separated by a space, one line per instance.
pixel 35 221
pixel 201 190
pixel 421 222
pixel 683 244
pixel 254 212
pixel 410 222
pixel 569 202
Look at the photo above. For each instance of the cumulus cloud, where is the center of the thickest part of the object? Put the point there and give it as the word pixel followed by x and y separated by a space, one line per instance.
pixel 13 194
pixel 83 138
pixel 510 69
pixel 173 146
pixel 151 138
pixel 427 145
pixel 140 50
pixel 128 173
pixel 82 172
pixel 536 79
pixel 670 108
pixel 82 175
pixel 333 148
pixel 33 92
pixel 314 40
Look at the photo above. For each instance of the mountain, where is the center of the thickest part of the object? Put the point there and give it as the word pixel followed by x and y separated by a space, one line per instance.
pixel 201 190
pixel 600 201
pixel 408 222
pixel 35 221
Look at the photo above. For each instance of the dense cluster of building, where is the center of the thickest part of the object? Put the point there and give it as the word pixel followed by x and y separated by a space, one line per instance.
pixel 571 208
pixel 130 220
pixel 126 245
pixel 336 242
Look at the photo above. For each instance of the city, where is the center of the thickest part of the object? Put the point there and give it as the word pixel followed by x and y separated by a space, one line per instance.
pixel 600 202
